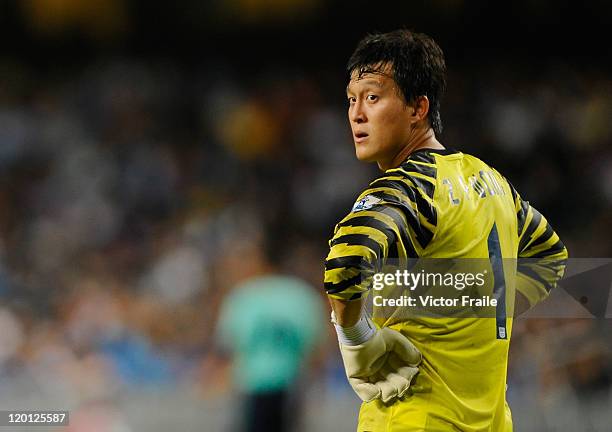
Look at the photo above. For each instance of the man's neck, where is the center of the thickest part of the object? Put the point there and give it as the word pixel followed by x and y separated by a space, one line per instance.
pixel 424 138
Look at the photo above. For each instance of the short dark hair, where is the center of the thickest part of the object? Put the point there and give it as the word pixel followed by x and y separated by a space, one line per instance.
pixel 417 63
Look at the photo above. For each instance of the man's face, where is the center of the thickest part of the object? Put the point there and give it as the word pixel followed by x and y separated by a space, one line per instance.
pixel 378 115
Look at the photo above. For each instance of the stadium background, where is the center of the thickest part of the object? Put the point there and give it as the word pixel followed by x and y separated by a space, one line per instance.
pixel 144 145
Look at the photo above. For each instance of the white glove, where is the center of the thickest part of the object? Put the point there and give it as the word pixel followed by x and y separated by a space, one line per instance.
pixel 381 367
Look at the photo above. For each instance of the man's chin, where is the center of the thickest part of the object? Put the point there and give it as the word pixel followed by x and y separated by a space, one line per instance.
pixel 365 156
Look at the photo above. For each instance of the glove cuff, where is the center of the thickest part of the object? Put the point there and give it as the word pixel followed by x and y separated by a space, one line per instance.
pixel 358 334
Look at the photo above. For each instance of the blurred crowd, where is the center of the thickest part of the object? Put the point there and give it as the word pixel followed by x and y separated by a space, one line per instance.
pixel 136 194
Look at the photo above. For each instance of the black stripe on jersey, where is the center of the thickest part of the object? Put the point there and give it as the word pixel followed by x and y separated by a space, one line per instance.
pixel 513 191
pixel 552 264
pixel 359 240
pixel 554 249
pixel 544 237
pixel 401 227
pixel 427 186
pixel 424 185
pixel 423 206
pixel 532 274
pixel 393 184
pixel 425 170
pixel 379 225
pixel 332 288
pixel 351 261
pixel 423 234
pixel 533 225
pixel 422 156
pixel 521 215
pixel 392 199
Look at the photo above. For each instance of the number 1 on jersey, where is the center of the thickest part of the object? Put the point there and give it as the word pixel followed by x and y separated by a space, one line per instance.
pixel 499 283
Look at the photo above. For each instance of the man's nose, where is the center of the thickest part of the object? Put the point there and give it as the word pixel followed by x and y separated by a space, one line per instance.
pixel 356 113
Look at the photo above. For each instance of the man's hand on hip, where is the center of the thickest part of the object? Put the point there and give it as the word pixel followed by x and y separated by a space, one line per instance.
pixel 379 363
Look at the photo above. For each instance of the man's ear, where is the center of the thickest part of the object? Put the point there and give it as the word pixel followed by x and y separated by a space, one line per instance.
pixel 419 109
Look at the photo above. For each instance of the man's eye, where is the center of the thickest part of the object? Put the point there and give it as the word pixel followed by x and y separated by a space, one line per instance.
pixel 352 100
pixel 372 97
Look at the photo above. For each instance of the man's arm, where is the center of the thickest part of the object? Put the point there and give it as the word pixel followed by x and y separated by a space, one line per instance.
pixel 380 363
pixel 542 256
pixel 347 312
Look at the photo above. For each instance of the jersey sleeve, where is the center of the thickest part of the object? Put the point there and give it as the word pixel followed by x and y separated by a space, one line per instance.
pixel 393 219
pixel 542 256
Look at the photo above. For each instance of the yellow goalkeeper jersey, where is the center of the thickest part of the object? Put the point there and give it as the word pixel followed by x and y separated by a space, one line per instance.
pixel 446 204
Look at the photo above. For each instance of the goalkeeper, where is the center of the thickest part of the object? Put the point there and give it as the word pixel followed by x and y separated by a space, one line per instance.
pixel 424 373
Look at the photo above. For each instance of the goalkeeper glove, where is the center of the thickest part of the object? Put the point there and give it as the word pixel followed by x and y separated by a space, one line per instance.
pixel 379 363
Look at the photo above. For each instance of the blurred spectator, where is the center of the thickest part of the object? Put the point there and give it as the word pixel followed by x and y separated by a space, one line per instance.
pixel 268 324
